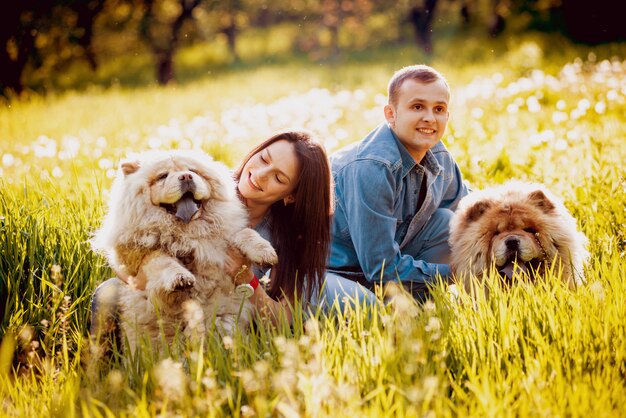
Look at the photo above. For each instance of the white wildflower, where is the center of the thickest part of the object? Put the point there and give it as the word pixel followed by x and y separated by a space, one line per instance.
pixel 171 378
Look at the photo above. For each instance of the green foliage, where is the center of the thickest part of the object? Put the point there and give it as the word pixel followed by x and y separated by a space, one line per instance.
pixel 525 111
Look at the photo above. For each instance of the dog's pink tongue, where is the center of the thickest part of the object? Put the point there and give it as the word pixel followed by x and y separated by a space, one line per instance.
pixel 186 208
pixel 510 267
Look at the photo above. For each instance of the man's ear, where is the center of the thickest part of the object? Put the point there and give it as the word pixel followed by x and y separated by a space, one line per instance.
pixel 289 199
pixel 390 114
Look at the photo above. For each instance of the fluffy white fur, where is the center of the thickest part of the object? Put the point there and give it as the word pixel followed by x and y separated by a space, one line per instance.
pixel 182 258
pixel 515 220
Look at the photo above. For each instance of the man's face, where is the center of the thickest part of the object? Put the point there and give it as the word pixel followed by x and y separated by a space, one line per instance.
pixel 419 118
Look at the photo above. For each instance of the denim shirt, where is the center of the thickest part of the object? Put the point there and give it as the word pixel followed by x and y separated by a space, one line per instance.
pixel 377 186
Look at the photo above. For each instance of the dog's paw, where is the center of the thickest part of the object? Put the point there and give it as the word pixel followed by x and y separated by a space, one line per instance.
pixel 182 281
pixel 264 255
pixel 254 247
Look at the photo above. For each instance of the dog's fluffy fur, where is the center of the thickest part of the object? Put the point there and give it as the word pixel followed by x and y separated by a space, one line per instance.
pixel 172 216
pixel 516 227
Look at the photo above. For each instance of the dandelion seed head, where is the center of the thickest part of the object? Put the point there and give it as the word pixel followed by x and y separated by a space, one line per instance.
pixel 584 104
pixel 430 383
pixel 558 117
pixel 171 378
pixel 115 381
pixel 561 145
pixel 576 114
pixel 70 146
pixel 154 143
pixel 600 108
pixel 433 326
pixel 8 160
pixel 105 163
pixel 26 335
pixel 227 340
pixel 533 104
pixel 193 314
pixel 597 290
pixel 247 411
pixel 512 108
pixel 612 95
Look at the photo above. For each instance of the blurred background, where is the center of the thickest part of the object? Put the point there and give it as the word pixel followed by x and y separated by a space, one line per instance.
pixel 71 44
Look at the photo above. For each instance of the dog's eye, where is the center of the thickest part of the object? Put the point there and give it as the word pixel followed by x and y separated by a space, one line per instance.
pixel 530 230
pixel 162 176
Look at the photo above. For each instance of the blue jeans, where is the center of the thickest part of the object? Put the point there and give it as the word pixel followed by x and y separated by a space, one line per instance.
pixel 430 244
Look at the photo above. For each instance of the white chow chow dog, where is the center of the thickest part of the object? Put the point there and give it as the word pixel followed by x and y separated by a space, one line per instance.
pixel 172 216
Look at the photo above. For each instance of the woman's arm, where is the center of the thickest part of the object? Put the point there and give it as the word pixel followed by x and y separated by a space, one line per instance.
pixel 265 306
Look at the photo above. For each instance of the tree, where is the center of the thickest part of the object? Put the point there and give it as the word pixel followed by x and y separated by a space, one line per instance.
pixel 421 17
pixel 27 21
pixel 18 29
pixel 160 27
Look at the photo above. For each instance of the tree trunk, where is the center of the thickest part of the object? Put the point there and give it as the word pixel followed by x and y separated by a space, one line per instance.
pixel 421 18
pixel 165 67
pixel 13 30
pixel 164 48
pixel 231 37
pixel 86 13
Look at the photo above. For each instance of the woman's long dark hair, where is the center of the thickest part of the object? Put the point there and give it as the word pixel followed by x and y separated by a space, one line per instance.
pixel 300 232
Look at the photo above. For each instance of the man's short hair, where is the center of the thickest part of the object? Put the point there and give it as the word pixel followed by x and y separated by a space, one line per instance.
pixel 422 73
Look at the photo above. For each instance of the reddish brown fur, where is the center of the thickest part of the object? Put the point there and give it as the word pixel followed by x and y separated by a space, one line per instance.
pixel 527 212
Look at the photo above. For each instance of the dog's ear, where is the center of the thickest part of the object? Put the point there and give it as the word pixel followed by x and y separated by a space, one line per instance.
pixel 218 189
pixel 477 210
pixel 539 199
pixel 129 167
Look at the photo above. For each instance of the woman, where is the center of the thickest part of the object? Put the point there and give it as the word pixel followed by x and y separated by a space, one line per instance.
pixel 285 183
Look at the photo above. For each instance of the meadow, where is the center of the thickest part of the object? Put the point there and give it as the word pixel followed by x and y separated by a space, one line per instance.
pixel 533 107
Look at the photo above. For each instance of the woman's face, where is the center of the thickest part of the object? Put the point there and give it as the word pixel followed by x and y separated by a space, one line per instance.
pixel 272 174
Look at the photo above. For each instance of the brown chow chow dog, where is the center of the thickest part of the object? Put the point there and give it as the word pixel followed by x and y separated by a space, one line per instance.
pixel 516 227
pixel 172 216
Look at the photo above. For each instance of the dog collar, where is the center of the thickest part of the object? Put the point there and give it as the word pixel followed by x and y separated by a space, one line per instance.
pixel 247 290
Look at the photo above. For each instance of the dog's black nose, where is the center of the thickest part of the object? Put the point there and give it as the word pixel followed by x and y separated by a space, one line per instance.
pixel 512 243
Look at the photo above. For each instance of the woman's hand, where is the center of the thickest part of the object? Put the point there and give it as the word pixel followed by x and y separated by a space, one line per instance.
pixel 138 281
pixel 238 266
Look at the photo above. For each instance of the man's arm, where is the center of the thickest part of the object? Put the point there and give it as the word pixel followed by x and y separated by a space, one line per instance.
pixel 368 194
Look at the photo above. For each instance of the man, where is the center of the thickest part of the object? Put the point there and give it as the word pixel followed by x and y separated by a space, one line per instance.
pixel 396 191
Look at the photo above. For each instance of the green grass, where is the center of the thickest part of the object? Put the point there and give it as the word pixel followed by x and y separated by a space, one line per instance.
pixel 533 351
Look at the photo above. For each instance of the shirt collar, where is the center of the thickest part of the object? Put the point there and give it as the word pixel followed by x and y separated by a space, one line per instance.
pixel 429 162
